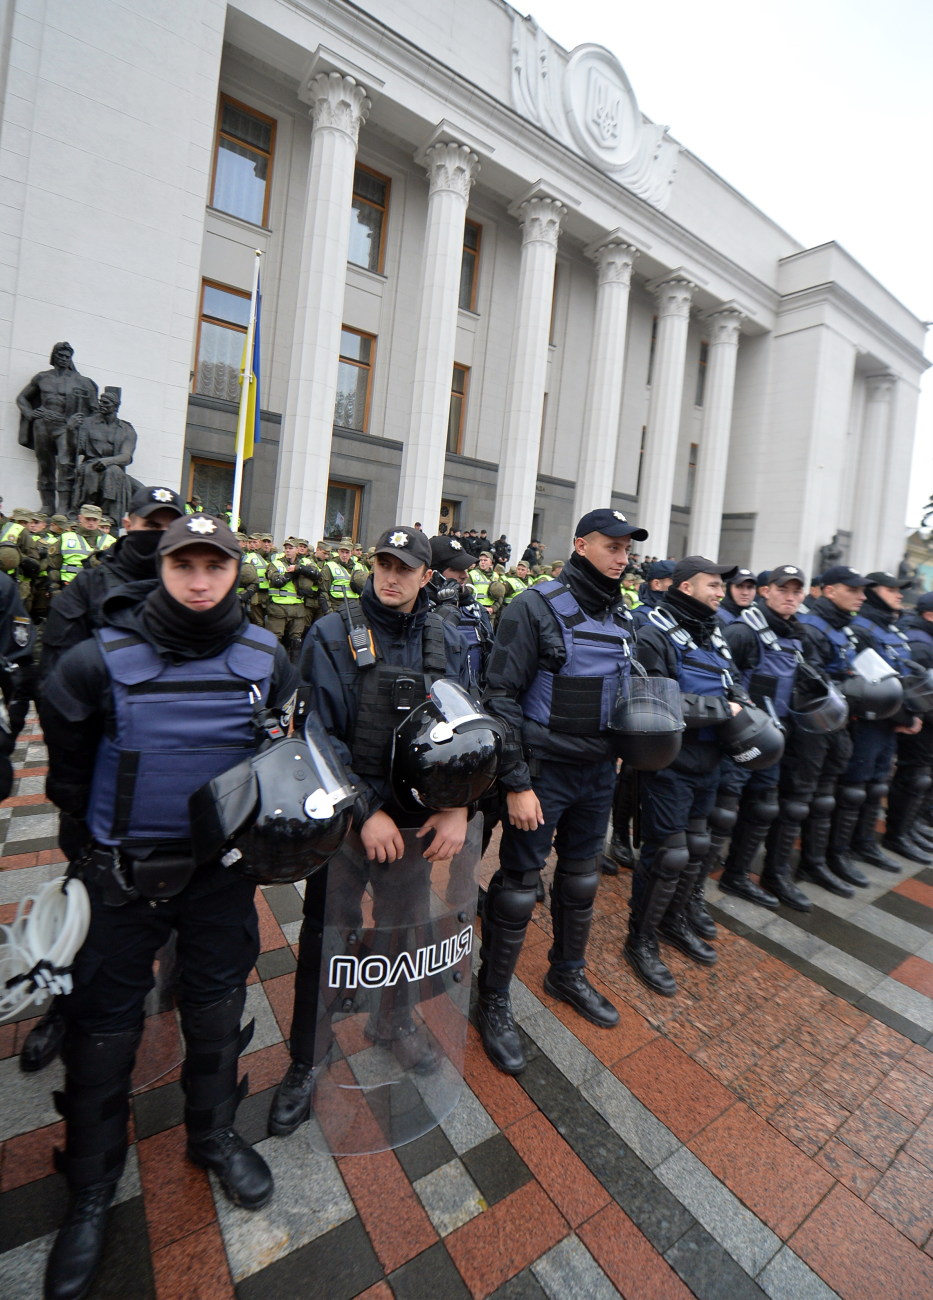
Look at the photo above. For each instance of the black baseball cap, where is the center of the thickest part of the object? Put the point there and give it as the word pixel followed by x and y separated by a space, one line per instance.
pixel 877 578
pixel 406 544
pixel 611 523
pixel 199 530
pixel 447 553
pixel 145 501
pixel 691 565
pixel 787 573
pixel 844 574
pixel 659 569
pixel 740 575
pixel 925 603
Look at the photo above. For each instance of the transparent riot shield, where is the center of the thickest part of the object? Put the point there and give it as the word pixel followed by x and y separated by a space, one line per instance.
pixel 394 993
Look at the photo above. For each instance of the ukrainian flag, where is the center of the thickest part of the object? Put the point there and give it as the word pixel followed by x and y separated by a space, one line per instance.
pixel 249 375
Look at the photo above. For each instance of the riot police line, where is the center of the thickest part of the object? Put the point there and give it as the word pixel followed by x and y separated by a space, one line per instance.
pixel 417 727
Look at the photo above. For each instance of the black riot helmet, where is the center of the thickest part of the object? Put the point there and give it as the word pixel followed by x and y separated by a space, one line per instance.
pixel 874 689
pixel 918 691
pixel 279 815
pixel 816 705
pixel 445 753
pixel 752 738
pixel 647 724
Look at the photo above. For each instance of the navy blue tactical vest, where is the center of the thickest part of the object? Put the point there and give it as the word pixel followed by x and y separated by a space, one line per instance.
pixel 890 643
pixel 700 669
pixel 842 641
pixel 777 667
pixel 920 635
pixel 726 615
pixel 176 725
pixel 579 699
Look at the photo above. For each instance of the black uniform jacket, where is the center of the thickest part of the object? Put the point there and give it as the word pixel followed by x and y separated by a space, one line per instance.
pixel 17 637
pixel 329 670
pixel 528 638
pixel 76 709
pixel 655 651
pixel 822 651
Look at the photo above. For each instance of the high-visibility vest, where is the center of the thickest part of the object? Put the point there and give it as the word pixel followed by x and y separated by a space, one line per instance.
pixel 340 588
pixel 105 541
pixel 288 594
pixel 260 563
pixel 516 585
pixel 75 550
pixel 480 582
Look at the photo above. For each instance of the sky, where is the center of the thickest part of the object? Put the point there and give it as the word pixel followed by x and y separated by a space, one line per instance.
pixel 819 111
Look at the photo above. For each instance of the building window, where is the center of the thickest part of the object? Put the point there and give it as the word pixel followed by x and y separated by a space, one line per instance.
pixel 701 374
pixel 455 420
pixel 221 334
pixel 242 162
pixel 354 375
pixel 212 480
pixel 368 224
pixel 342 512
pixel 469 266
pixel 651 350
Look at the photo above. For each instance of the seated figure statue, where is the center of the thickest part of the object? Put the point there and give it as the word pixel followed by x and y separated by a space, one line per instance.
pixel 104 446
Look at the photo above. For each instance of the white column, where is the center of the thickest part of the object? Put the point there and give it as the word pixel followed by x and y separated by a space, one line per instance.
pixel 874 451
pixel 597 464
pixel 674 296
pixel 451 170
pixel 518 469
pixel 339 107
pixel 725 326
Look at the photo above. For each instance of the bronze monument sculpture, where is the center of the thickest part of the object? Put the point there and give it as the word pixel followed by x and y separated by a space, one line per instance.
pixel 47 406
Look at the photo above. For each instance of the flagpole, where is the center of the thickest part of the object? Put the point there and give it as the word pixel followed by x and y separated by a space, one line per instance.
pixel 244 398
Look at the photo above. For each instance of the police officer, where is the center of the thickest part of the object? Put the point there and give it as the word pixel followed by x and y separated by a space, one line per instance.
pixel 17 637
pixel 561 653
pixel 683 640
pixel 740 593
pixel 454 600
pixel 767 646
pixel 398 639
pixel 874 743
pixel 813 766
pixel 155 683
pixel 480 575
pixel 913 776
pixel 657 580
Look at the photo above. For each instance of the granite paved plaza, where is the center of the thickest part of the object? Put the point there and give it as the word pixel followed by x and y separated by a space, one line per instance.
pixel 768 1132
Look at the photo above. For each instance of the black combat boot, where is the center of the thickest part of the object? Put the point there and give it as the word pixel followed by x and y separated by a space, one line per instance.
pixel 748 837
pixel 776 876
pixel 651 895
pixel 575 885
pixel 44 1041
pixel 900 837
pixel 674 927
pixel 213 1042
pixel 95 1106
pixel 850 804
pixel 510 901
pixel 291 1104
pixel 620 852
pixel 815 841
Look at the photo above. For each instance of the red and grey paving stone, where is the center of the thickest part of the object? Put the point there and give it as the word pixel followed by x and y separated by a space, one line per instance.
pixel 768 1132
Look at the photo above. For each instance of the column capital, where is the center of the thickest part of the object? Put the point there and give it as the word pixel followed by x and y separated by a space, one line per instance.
pixel 615 260
pixel 540 219
pixel 338 103
pixel 450 166
pixel 878 388
pixel 673 295
pixel 725 325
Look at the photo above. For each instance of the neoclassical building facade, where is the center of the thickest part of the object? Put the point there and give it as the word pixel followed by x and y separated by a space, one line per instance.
pixel 493 293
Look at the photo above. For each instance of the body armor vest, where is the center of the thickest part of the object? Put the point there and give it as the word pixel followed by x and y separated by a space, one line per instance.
pixel 920 635
pixel 726 615
pixel 388 693
pixel 579 699
pixel 777 666
pixel 890 642
pixel 842 640
pixel 175 727
pixel 466 619
pixel 701 670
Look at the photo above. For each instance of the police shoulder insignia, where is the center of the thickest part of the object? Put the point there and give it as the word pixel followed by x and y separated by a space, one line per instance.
pixel 21 629
pixel 398 539
pixel 201 524
pixel 161 494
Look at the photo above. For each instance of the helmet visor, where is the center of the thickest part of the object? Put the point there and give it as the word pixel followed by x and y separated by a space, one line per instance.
pixel 454 707
pixel 334 792
pixel 872 667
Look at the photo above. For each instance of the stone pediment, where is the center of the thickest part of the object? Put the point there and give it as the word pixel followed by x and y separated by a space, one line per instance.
pixel 584 100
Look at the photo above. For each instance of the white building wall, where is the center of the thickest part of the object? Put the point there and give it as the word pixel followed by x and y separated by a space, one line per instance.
pixel 106 154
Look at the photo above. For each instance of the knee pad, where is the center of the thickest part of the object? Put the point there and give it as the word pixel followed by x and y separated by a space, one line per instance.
pixel 723 816
pixel 576 881
pixel 824 805
pixel 923 782
pixel 672 856
pixel 215 1019
pixel 876 791
pixel 510 901
pixel 698 838
pixel 762 807
pixel 851 796
pixel 795 810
